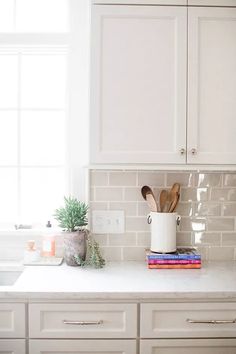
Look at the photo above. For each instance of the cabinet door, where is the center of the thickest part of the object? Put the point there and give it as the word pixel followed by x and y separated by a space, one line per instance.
pixel 12 320
pixel 138 98
pixel 187 346
pixel 12 346
pixel 212 86
pixel 212 2
pixel 82 346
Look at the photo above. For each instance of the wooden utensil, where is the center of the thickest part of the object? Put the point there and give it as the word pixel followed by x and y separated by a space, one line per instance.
pixel 148 195
pixel 163 200
pixel 174 203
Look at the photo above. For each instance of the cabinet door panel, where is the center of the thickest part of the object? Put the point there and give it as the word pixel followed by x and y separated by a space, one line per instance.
pixel 12 346
pixel 138 98
pixel 212 2
pixel 12 320
pixel 186 346
pixel 186 320
pixel 212 85
pixel 82 347
pixel 83 320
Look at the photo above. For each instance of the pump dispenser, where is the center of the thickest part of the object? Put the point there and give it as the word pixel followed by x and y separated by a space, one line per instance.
pixel 48 249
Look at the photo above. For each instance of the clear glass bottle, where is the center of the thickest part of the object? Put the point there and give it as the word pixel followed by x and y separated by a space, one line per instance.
pixel 31 253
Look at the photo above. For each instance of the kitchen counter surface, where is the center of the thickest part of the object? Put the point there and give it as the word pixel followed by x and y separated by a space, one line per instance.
pixel 124 281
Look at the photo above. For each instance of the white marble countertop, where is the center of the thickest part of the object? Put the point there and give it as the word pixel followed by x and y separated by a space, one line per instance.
pixel 124 281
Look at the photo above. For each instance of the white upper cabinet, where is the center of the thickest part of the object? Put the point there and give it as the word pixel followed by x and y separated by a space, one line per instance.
pixel 142 2
pixel 138 89
pixel 212 86
pixel 212 2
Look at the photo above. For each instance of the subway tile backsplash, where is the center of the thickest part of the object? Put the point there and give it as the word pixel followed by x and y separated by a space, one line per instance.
pixel 207 207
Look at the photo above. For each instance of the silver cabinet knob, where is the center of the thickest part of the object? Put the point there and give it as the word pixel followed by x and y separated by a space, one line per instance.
pixel 194 151
pixel 182 151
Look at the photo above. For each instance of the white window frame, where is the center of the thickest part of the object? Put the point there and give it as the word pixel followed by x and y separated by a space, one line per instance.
pixel 78 40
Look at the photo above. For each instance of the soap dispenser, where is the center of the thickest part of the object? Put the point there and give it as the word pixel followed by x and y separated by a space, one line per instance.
pixel 48 248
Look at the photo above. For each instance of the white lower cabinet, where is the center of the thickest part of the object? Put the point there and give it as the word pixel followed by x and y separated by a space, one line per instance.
pixel 12 320
pixel 12 346
pixel 82 346
pixel 187 346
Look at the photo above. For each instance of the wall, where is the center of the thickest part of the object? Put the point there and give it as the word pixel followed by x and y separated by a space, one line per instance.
pixel 207 206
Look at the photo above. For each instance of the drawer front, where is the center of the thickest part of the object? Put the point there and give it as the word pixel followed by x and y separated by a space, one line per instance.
pixel 188 346
pixel 82 320
pixel 13 346
pixel 82 346
pixel 12 320
pixel 188 320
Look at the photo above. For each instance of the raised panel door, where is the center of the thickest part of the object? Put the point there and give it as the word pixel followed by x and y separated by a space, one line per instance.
pixel 212 86
pixel 186 346
pixel 138 88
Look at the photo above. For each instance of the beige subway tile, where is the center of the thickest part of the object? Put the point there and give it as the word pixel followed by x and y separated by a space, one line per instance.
pixel 229 179
pixel 208 179
pixel 220 224
pixel 124 178
pixel 143 209
pixel 229 239
pixel 192 224
pixel 206 238
pixel 152 179
pixel 133 194
pixel 137 224
pixel 221 253
pixel 129 239
pixel 229 209
pixel 144 239
pixel 102 239
pixel 129 207
pixel 204 252
pixel 112 253
pixel 194 194
pixel 183 239
pixel 98 206
pixel 134 254
pixel 92 194
pixel 223 194
pixel 184 178
pixel 184 209
pixel 108 194
pixel 98 178
pixel 207 209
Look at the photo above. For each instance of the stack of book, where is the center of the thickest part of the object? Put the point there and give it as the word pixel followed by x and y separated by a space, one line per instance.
pixel 183 258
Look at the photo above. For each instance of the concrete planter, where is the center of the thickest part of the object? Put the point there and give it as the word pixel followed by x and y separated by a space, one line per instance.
pixel 75 243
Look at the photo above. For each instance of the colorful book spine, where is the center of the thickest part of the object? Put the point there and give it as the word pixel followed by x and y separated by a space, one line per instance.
pixel 173 261
pixel 174 256
pixel 174 266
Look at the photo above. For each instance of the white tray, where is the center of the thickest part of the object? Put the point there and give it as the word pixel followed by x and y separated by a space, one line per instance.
pixel 46 261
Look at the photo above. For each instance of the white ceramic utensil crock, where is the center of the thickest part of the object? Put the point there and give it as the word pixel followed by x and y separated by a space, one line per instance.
pixel 163 231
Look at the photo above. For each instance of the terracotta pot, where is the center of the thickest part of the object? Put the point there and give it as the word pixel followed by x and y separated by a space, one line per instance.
pixel 74 245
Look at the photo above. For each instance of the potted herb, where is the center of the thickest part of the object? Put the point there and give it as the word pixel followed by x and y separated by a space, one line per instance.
pixel 73 219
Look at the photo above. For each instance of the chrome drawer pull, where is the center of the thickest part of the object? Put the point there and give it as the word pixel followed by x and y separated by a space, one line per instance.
pixel 211 321
pixel 83 323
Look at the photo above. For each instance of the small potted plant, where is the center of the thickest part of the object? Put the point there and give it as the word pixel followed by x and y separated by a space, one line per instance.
pixel 73 219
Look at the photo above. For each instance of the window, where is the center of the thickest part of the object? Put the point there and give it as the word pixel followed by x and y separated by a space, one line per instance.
pixel 43 103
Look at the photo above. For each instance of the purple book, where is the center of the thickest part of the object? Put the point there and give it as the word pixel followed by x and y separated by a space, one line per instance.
pixel 173 261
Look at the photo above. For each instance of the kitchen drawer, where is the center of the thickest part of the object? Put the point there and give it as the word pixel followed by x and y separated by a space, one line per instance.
pixel 188 346
pixel 82 346
pixel 82 320
pixel 178 320
pixel 12 320
pixel 12 346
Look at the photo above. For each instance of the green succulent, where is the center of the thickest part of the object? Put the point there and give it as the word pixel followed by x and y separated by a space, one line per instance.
pixel 73 216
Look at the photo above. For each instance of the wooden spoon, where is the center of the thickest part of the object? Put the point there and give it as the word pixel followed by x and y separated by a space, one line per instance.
pixel 148 195
pixel 163 200
pixel 174 203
